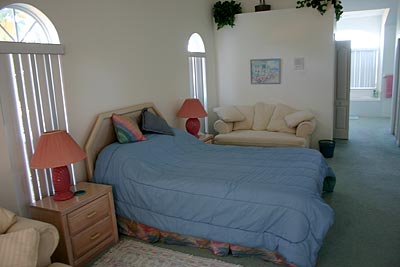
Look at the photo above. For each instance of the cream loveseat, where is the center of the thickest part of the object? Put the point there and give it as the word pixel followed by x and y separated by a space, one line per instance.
pixel 264 125
pixel 25 242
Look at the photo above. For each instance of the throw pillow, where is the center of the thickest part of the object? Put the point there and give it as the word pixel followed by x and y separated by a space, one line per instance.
pixel 229 114
pixel 277 123
pixel 126 129
pixel 262 115
pixel 7 218
pixel 292 120
pixel 246 124
pixel 19 248
pixel 154 123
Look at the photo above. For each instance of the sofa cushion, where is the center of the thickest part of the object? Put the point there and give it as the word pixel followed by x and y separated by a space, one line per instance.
pixel 277 123
pixel 260 138
pixel 223 127
pixel 247 123
pixel 48 237
pixel 229 114
pixel 262 115
pixel 292 120
pixel 7 218
pixel 19 248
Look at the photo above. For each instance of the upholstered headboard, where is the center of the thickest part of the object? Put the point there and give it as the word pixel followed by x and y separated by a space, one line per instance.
pixel 103 134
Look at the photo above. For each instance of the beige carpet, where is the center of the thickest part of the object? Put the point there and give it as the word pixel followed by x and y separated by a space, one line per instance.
pixel 132 253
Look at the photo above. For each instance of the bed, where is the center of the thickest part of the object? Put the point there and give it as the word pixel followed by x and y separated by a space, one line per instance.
pixel 263 198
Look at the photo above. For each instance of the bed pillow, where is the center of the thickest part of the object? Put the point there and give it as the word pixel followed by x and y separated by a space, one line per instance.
pixel 229 114
pixel 19 248
pixel 155 124
pixel 7 218
pixel 292 120
pixel 126 129
pixel 277 123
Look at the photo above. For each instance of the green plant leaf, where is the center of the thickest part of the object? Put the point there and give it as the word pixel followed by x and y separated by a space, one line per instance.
pixel 322 6
pixel 224 13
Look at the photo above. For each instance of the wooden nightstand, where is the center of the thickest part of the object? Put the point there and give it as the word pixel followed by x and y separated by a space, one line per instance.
pixel 207 138
pixel 86 223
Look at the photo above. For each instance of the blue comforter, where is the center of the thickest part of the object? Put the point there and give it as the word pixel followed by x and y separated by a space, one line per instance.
pixel 249 196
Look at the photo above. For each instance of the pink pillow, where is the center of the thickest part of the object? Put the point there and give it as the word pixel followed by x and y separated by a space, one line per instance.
pixel 126 129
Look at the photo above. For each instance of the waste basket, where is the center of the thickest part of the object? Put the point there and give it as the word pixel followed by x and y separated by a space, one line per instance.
pixel 327 147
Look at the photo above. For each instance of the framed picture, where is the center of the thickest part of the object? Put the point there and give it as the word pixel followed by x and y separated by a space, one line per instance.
pixel 265 71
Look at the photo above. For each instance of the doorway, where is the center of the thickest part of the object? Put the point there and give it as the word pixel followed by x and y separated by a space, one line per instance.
pixel 371 71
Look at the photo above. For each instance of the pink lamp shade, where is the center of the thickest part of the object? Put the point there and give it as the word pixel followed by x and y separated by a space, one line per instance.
pixel 192 109
pixel 55 150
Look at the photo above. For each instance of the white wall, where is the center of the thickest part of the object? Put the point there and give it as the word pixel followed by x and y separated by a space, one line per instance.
pixel 123 52
pixel 285 34
pixel 381 108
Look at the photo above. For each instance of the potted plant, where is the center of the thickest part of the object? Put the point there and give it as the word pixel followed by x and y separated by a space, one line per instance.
pixel 224 13
pixel 322 6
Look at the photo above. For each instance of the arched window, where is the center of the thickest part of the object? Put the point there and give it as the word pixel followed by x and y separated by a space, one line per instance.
pixel 26 24
pixel 197 71
pixel 32 90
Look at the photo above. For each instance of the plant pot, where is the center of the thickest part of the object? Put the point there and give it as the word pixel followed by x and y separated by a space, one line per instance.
pixel 262 7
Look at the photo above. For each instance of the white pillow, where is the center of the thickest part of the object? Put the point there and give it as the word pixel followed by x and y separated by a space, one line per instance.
pixel 292 120
pixel 277 123
pixel 262 115
pixel 7 218
pixel 229 114
pixel 19 248
pixel 247 123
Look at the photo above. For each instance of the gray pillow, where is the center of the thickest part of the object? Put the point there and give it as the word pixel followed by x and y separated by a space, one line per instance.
pixel 155 124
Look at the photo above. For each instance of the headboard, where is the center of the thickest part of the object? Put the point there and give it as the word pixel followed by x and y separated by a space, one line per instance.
pixel 102 133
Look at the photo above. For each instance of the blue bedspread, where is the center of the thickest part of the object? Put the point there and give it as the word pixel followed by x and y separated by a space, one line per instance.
pixel 249 196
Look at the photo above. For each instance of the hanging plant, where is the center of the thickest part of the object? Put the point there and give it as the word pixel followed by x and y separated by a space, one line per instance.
pixel 322 6
pixel 224 13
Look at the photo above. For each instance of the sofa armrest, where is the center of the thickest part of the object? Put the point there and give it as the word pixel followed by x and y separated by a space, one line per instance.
pixel 223 127
pixel 48 237
pixel 306 128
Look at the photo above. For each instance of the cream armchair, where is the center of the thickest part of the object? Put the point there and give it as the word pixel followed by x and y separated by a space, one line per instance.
pixel 25 242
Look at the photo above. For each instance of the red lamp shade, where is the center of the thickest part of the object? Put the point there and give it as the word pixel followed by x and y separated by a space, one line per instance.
pixel 192 109
pixel 55 150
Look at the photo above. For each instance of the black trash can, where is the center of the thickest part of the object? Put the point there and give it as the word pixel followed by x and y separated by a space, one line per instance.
pixel 327 147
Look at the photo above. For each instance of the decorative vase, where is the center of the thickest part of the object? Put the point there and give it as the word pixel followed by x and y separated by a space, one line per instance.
pixel 262 6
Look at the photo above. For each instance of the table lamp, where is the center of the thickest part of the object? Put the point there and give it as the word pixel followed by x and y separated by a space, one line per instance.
pixel 192 109
pixel 55 150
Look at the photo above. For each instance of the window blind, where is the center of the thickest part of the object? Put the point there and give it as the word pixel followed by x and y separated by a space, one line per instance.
pixel 32 99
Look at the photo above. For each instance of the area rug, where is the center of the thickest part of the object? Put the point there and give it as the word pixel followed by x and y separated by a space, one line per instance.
pixel 131 253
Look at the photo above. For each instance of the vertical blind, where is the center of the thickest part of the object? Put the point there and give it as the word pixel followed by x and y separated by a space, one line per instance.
pixel 32 99
pixel 364 68
pixel 198 85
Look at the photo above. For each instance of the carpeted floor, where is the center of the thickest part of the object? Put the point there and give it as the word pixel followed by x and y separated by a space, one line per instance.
pixel 366 201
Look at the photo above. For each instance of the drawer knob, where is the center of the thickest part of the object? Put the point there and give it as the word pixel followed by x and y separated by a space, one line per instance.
pixel 95 236
pixel 90 215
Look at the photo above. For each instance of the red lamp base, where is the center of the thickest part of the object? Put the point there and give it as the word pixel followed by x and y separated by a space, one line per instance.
pixel 61 183
pixel 193 126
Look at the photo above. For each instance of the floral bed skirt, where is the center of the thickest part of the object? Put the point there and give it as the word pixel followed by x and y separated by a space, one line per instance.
pixel 152 235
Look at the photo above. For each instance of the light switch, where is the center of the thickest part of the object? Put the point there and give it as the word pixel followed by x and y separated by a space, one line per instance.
pixel 299 63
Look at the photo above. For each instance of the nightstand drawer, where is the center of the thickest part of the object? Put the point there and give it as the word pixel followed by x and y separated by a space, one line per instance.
pixel 89 238
pixel 88 215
